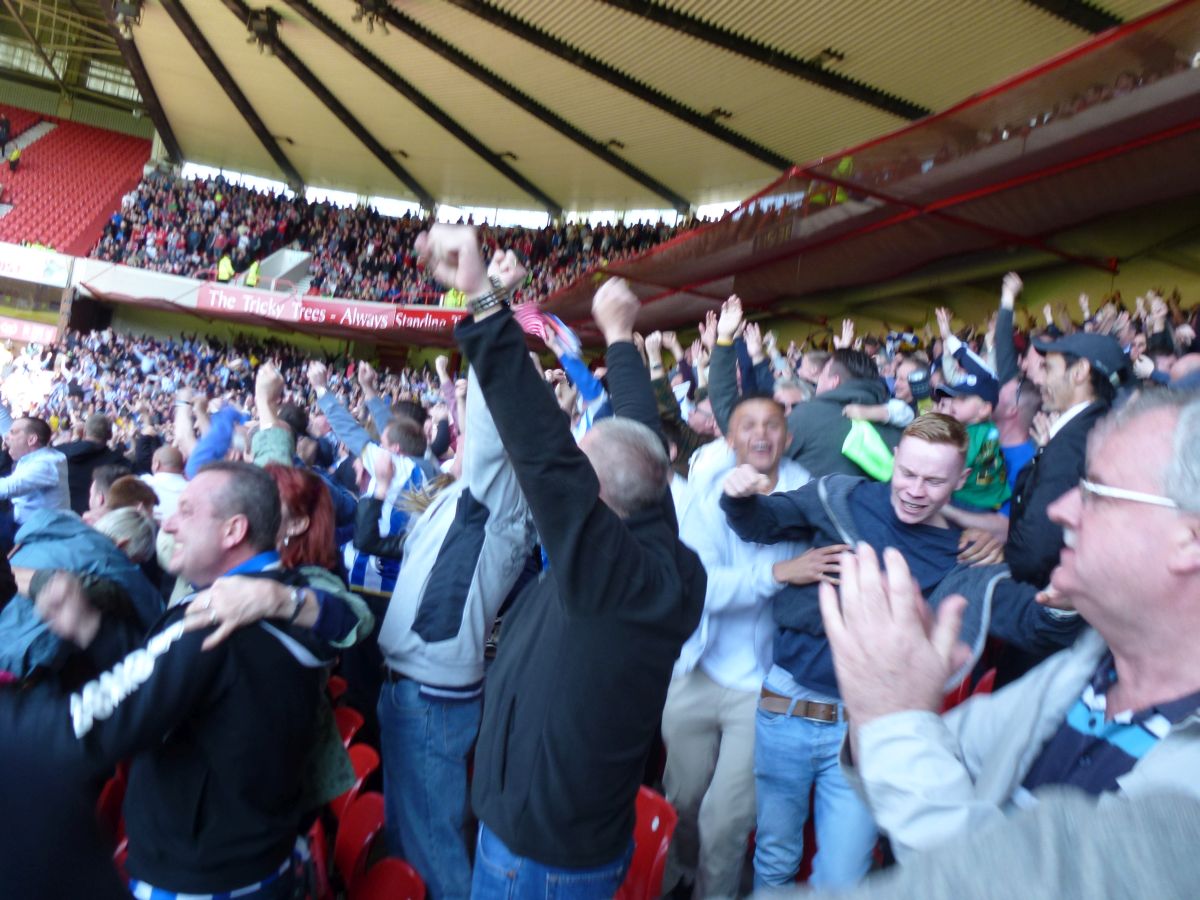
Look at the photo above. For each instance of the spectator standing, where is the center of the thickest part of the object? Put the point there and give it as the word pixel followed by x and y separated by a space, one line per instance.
pixel 85 456
pixel 1081 374
pixel 39 476
pixel 573 698
pixel 708 720
pixel 1114 716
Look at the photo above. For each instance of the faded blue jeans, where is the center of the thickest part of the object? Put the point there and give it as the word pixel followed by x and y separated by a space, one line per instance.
pixel 502 875
pixel 424 748
pixel 792 754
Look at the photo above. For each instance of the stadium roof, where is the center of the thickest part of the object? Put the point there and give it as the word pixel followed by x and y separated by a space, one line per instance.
pixel 571 104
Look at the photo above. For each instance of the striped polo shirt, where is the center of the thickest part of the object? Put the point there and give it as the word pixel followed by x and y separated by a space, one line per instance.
pixel 1091 752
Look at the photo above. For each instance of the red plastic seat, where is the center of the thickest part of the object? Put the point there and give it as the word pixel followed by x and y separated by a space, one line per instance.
pixel 120 858
pixel 964 690
pixel 361 824
pixel 389 879
pixel 366 763
pixel 656 820
pixel 318 848
pixel 336 686
pixel 109 806
pixel 349 721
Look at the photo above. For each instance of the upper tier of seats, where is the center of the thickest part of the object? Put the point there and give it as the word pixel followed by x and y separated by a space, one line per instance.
pixel 67 182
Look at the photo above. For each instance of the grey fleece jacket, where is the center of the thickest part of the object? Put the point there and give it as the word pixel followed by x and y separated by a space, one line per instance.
pixel 819 429
pixel 461 558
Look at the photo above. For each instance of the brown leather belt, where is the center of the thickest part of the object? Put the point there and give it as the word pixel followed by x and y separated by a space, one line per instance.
pixel 804 709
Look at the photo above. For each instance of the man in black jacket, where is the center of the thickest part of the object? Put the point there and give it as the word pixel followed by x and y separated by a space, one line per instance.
pixel 1082 371
pixel 572 703
pixel 84 457
pixel 218 737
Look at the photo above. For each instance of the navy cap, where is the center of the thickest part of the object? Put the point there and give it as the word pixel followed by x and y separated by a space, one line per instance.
pixel 1102 352
pixel 982 386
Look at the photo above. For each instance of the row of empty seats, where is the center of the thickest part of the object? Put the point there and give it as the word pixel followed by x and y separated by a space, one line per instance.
pixel 67 183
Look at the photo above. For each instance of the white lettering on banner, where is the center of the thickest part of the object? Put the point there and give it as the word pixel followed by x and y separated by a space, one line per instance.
pixel 356 318
pixel 99 699
pixel 309 310
pixel 424 321
pixel 281 308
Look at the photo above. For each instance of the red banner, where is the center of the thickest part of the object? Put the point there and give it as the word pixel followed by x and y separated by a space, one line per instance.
pixel 313 311
pixel 24 330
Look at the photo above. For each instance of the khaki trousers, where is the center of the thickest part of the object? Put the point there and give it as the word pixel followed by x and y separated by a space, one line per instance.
pixel 709 779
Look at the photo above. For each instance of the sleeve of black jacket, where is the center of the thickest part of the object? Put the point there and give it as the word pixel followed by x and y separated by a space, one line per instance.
pixel 128 709
pixel 1035 542
pixel 722 384
pixel 144 446
pixel 1006 349
pixel 366 531
pixel 1018 619
pixel 575 527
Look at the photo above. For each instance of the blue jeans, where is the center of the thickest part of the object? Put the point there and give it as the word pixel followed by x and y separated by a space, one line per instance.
pixel 792 754
pixel 424 748
pixel 502 875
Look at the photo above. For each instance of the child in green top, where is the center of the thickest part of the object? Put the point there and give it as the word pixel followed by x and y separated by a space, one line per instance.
pixel 971 402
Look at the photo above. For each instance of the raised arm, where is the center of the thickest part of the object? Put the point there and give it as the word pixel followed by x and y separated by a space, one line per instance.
pixel 555 476
pixel 377 405
pixel 628 379
pixel 759 518
pixel 348 431
pixel 1007 366
pixel 722 370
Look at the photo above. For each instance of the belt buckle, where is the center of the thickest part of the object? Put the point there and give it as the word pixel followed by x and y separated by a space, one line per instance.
pixel 809 703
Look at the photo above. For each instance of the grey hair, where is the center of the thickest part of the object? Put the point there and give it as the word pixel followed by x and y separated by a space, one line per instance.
pixel 1181 479
pixel 631 463
pixel 129 527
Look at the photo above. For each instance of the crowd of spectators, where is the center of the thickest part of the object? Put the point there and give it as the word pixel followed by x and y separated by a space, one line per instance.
pixel 662 534
pixel 187 226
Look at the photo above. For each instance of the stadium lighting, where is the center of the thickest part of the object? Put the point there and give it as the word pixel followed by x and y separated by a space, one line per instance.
pixel 126 14
pixel 373 12
pixel 263 25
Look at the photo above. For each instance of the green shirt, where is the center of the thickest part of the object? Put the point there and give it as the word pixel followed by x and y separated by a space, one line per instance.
pixel 986 487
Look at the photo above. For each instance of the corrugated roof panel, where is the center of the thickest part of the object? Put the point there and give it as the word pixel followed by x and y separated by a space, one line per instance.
pixel 323 150
pixel 1129 10
pixel 654 140
pixel 939 54
pixel 790 117
pixel 929 52
pixel 192 100
pixel 436 159
pixel 559 167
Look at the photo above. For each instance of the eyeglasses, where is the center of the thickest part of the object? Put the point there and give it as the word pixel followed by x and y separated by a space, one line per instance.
pixel 1116 493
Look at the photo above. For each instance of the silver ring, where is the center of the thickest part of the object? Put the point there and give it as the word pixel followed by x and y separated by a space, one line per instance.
pixel 212 617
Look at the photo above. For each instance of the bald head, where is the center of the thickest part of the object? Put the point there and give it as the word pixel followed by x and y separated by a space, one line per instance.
pixel 167 459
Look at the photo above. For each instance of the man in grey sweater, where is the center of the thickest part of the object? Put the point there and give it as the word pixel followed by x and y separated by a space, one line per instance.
pixel 461 559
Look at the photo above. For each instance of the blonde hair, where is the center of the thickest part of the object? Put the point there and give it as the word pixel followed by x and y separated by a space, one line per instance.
pixel 937 428
pixel 417 500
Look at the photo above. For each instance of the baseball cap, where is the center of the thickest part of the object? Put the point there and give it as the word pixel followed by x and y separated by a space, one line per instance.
pixel 1102 352
pixel 982 386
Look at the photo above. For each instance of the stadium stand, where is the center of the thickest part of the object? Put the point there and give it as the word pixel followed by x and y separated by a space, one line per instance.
pixel 57 198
